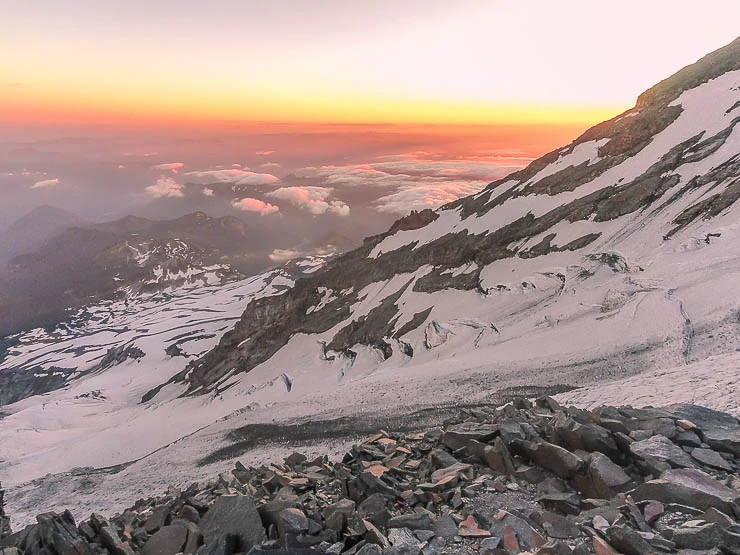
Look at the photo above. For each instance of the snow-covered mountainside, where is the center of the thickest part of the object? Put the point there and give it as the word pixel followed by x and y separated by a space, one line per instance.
pixel 623 243
pixel 613 257
pixel 176 313
pixel 177 321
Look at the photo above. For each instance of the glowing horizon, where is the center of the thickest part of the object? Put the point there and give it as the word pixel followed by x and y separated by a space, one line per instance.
pixel 414 62
pixel 326 110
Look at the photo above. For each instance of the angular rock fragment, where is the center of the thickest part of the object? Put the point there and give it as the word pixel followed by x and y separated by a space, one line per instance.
pixel 627 540
pixel 58 533
pixel 554 458
pixel 710 458
pixel 602 479
pixel 157 519
pixel 469 528
pixel 498 458
pixel 721 431
pixel 411 521
pixel 233 516
pixel 169 540
pixel 660 449
pixel 402 537
pixel 688 486
pixel 508 525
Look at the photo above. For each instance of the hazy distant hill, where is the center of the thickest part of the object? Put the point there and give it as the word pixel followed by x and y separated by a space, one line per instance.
pixel 31 230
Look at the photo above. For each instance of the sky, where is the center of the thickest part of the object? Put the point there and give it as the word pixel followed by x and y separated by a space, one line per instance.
pixel 313 118
pixel 349 61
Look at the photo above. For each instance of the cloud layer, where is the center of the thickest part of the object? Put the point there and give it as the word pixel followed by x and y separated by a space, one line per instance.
pixel 426 195
pixel 413 181
pixel 313 199
pixel 283 255
pixel 234 175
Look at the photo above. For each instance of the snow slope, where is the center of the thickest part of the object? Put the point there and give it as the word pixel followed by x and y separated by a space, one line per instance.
pixel 622 237
pixel 97 418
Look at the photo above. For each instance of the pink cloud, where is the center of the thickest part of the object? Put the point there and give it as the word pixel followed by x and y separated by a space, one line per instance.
pixel 313 199
pixel 45 183
pixel 264 152
pixel 413 181
pixel 165 187
pixel 172 166
pixel 25 172
pixel 255 205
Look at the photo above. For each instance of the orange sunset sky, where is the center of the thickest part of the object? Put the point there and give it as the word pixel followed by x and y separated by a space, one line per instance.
pixel 415 61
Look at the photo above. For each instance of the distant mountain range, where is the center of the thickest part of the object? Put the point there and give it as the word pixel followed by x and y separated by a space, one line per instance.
pixel 54 261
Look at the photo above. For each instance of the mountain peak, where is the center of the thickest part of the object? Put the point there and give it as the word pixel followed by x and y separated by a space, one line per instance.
pixel 707 68
pixel 594 219
pixel 45 215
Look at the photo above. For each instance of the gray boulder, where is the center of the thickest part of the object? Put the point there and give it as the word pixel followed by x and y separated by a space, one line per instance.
pixel 603 479
pixel 691 487
pixel 59 534
pixel 111 541
pixel 234 517
pixel 721 431
pixel 554 458
pixel 167 541
pixel 660 449
pixel 711 458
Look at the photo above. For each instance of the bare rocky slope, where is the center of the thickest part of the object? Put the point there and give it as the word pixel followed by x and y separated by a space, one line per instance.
pixel 532 478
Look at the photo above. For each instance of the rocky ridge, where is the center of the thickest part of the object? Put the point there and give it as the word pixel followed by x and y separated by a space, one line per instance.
pixel 528 477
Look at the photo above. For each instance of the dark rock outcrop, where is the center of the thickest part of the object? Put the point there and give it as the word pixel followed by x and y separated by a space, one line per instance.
pixel 4 520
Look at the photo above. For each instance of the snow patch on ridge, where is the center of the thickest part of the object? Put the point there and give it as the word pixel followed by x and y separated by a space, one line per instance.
pixel 587 152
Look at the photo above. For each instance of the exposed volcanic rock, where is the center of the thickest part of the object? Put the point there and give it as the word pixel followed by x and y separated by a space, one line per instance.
pixel 441 492
pixel 268 323
pixel 414 220
pixel 667 164
pixel 4 520
pixel 138 332
pixel 22 383
pixel 117 355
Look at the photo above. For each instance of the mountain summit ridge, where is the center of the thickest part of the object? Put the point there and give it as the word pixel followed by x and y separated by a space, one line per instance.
pixel 619 192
